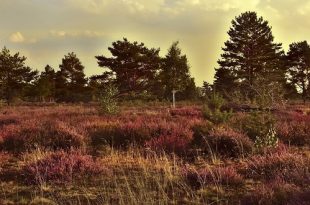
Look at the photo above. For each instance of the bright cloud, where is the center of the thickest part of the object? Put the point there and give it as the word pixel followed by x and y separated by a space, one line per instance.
pixel 45 30
pixel 17 37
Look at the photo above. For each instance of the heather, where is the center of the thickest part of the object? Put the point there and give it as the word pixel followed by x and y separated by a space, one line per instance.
pixel 151 154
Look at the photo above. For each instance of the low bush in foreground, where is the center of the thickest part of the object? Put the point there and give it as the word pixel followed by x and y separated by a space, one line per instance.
pixel 216 176
pixel 223 141
pixel 289 167
pixel 61 167
pixel 33 133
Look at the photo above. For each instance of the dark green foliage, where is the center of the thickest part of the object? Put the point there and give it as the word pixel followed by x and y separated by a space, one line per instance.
pixel 249 55
pixel 108 100
pixel 255 124
pixel 44 87
pixel 175 75
pixel 298 62
pixel 14 75
pixel 133 66
pixel 213 112
pixel 70 80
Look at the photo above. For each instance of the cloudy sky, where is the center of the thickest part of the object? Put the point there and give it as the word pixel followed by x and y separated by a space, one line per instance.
pixel 45 30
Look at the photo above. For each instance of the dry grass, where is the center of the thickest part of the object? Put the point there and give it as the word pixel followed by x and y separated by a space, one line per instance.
pixel 143 166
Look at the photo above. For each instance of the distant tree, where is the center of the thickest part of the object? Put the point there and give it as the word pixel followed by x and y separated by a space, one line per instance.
pixel 207 89
pixel 70 80
pixel 133 67
pixel 175 72
pixel 250 56
pixel 298 62
pixel 225 82
pixel 190 92
pixel 97 83
pixel 14 75
pixel 45 85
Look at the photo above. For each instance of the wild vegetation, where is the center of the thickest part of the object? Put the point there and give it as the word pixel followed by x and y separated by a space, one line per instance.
pixel 63 154
pixel 114 138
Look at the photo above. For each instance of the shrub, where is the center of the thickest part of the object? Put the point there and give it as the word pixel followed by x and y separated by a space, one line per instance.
pixel 212 111
pixel 294 132
pixel 255 124
pixel 187 112
pixel 121 134
pixel 30 134
pixel 274 193
pixel 224 141
pixel 4 158
pixel 289 167
pixel 61 167
pixel 213 176
pixel 108 101
pixel 176 140
pixel 268 141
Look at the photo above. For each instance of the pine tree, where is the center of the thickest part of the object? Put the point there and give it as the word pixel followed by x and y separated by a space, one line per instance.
pixel 175 72
pixel 133 66
pixel 298 62
pixel 45 85
pixel 250 56
pixel 70 79
pixel 14 75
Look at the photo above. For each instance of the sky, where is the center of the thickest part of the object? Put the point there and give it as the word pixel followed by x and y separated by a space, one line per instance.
pixel 46 30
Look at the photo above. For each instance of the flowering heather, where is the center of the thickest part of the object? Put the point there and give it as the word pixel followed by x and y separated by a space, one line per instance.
pixel 277 192
pixel 226 176
pixel 187 112
pixel 290 167
pixel 223 141
pixel 61 167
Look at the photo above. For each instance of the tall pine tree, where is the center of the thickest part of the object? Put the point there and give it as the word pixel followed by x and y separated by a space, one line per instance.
pixel 175 73
pixel 14 75
pixel 250 57
pixel 70 80
pixel 298 62
pixel 132 67
pixel 45 85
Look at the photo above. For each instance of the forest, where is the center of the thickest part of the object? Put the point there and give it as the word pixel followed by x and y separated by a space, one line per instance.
pixel 117 137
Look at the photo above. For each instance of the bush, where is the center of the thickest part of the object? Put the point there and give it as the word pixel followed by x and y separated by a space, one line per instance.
pixel 255 124
pixel 176 140
pixel 226 176
pixel 108 101
pixel 289 167
pixel 121 134
pixel 213 110
pixel 268 141
pixel 187 112
pixel 60 168
pixel 274 193
pixel 294 132
pixel 224 141
pixel 32 134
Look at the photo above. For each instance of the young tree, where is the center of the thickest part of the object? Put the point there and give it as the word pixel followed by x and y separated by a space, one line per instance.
pixel 45 85
pixel 175 72
pixel 70 79
pixel 298 62
pixel 250 55
pixel 14 75
pixel 133 66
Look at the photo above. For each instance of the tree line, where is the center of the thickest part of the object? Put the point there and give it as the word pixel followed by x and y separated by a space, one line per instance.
pixel 135 70
pixel 252 68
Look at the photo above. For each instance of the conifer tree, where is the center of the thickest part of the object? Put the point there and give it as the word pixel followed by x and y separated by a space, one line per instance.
pixel 175 72
pixel 298 62
pixel 70 79
pixel 250 57
pixel 132 68
pixel 14 75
